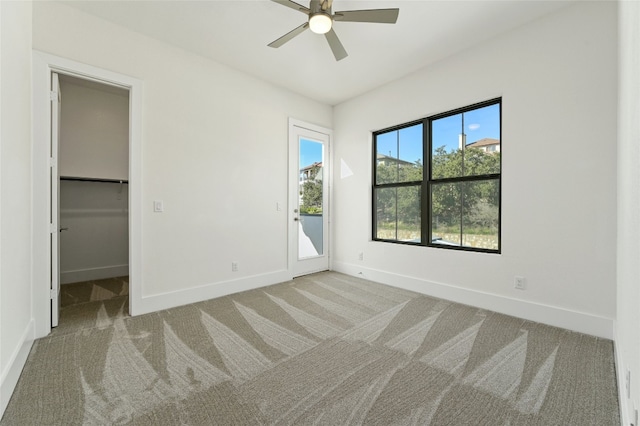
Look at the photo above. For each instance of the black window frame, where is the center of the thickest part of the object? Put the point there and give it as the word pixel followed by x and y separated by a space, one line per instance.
pixel 428 181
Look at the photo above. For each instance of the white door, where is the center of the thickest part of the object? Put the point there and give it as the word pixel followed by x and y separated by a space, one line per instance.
pixel 308 199
pixel 54 180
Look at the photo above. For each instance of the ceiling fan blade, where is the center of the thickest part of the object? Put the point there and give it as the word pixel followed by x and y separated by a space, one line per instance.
pixel 293 5
pixel 336 47
pixel 288 36
pixel 381 16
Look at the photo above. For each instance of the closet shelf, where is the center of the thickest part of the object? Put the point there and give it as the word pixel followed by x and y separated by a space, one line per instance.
pixel 87 179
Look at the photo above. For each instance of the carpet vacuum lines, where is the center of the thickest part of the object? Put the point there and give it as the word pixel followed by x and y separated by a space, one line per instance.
pixel 324 349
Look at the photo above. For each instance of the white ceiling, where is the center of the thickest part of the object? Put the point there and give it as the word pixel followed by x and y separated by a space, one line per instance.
pixel 236 33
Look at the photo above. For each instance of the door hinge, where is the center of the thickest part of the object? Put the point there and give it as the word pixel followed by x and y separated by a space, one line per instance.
pixel 52 162
pixel 52 228
pixel 53 294
pixel 53 95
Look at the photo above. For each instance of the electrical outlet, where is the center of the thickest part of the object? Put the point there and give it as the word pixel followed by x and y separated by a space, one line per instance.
pixel 234 266
pixel 519 283
pixel 361 256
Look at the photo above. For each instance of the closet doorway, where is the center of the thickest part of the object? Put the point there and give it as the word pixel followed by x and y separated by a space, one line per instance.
pixel 91 257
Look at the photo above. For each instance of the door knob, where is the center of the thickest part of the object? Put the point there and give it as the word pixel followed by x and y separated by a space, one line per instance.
pixel 64 229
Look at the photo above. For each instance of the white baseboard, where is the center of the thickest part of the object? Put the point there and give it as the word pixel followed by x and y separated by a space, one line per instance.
pixel 80 275
pixel 551 315
pixel 11 373
pixel 209 291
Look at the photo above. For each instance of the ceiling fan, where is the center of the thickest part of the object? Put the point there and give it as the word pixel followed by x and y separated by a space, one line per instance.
pixel 321 21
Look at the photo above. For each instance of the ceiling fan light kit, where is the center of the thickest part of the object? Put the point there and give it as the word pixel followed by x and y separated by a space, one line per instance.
pixel 320 21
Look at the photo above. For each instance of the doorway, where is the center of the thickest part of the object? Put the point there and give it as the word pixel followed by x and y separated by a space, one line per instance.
pixel 309 170
pixel 91 258
pixel 46 227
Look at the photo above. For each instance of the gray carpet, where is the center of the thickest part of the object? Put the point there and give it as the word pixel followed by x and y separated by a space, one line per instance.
pixel 326 349
pixel 91 291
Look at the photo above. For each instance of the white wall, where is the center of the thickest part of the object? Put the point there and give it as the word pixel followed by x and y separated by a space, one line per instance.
pixel 96 243
pixel 214 150
pixel 627 332
pixel 94 130
pixel 16 328
pixel 557 78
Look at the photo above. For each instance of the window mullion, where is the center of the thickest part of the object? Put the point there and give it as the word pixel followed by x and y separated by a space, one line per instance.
pixel 425 213
pixel 463 143
pixel 398 156
pixel 396 213
pixel 467 178
pixel 462 188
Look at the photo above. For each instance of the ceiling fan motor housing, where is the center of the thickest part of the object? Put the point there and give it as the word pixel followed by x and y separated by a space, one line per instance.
pixel 320 6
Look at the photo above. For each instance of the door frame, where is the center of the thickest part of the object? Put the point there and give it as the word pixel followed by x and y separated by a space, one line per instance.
pixel 43 65
pixel 293 195
pixel 54 233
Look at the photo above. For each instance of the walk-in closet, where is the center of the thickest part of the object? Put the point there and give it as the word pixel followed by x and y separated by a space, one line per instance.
pixel 93 168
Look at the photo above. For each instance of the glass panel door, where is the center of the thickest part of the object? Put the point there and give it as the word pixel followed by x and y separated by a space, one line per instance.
pixel 309 171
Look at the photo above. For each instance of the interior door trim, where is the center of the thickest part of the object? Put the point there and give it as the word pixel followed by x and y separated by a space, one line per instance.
pixel 43 65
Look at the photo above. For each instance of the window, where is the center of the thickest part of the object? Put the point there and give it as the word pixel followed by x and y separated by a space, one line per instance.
pixel 453 199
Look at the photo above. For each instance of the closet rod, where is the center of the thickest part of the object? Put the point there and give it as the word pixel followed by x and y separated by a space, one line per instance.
pixel 85 179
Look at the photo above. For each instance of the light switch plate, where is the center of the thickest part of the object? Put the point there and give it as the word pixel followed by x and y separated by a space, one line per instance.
pixel 158 206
